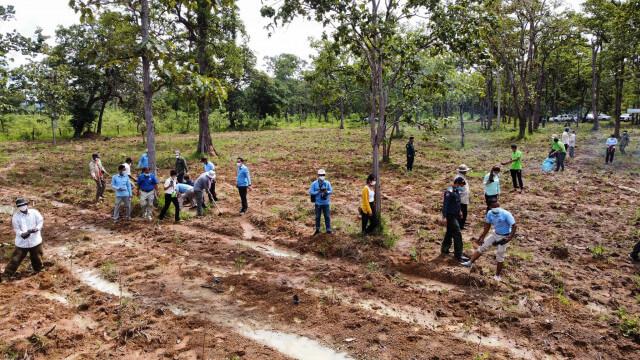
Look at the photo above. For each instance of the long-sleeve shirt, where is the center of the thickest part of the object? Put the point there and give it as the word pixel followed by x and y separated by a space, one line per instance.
pixel 565 138
pixel 491 188
pixel 203 183
pixel 612 141
pixel 244 178
pixel 367 198
pixel 181 165
pixel 96 169
pixel 24 222
pixel 451 203
pixel 572 140
pixel 625 140
pixel 465 193
pixel 143 162
pixel 121 185
pixel 208 166
pixel 315 188
pixel 183 188
pixel 411 150
pixel 147 182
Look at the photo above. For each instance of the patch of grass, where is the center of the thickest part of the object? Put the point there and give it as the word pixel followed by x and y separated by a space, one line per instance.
pixel 413 253
pixel 598 252
pixel 483 356
pixel 629 323
pixel 561 297
pixel 521 254
pixel 109 271
pixel 389 236
pixel 239 263
pixel 372 266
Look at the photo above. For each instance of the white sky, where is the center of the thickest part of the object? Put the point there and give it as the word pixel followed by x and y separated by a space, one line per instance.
pixel 293 38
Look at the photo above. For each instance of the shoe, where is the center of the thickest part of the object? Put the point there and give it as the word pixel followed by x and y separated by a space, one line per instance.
pixel 316 233
pixel 634 258
pixel 497 278
pixel 467 264
pixel 242 212
pixel 215 199
pixel 329 232
pixel 462 258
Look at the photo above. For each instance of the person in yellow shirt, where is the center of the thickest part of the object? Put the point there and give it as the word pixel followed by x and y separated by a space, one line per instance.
pixel 367 206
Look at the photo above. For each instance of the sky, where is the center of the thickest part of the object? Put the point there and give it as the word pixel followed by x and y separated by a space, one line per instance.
pixel 293 38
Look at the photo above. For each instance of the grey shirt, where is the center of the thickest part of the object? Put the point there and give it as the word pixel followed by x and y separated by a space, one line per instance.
pixel 203 183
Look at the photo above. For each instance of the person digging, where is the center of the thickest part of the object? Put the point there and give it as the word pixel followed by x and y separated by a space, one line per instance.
pixel 27 224
pixel 504 230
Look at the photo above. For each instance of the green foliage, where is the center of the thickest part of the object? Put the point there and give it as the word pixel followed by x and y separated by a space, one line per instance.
pixel 629 323
pixel 598 252
pixel 109 271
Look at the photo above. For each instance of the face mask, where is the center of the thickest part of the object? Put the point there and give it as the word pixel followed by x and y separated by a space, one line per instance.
pixel 321 178
pixel 147 175
pixel 177 156
pixel 121 173
pixel 495 211
pixel 373 183
pixel 23 208
pixel 238 164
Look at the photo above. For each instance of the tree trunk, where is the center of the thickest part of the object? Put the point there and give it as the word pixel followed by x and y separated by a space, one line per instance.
pixel 54 123
pixel 146 88
pixel 341 113
pixel 461 127
pixel 489 100
pixel 102 107
pixel 594 84
pixel 205 144
pixel 499 100
pixel 619 80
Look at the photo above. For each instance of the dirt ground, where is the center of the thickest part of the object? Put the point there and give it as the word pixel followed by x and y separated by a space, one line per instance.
pixel 225 287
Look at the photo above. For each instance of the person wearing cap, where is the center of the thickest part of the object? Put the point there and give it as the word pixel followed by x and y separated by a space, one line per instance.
pixel 572 144
pixel 464 192
pixel 143 162
pixel 209 166
pixel 624 141
pixel 147 189
pixel 320 192
pixel 368 206
pixel 566 135
pixel 122 186
pixel 560 152
pixel 411 154
pixel 491 182
pixel 505 227
pixel 516 168
pixel 201 186
pixel 27 224
pixel 451 213
pixel 180 167
pixel 97 172
pixel 243 183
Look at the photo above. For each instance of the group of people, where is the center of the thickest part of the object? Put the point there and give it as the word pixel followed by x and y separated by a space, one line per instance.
pixel 611 144
pixel 179 189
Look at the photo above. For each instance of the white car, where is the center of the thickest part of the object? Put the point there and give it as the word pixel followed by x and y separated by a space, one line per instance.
pixel 625 117
pixel 601 116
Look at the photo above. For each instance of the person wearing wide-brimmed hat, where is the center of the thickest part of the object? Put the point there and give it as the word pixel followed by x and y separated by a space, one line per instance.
pixel 27 224
pixel 464 192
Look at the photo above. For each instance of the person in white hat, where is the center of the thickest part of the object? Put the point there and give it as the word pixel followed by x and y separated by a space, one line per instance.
pixel 27 224
pixel 464 192
pixel 320 192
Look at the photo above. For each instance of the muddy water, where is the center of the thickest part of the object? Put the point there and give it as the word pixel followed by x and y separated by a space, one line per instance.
pixel 55 297
pixel 95 281
pixel 267 249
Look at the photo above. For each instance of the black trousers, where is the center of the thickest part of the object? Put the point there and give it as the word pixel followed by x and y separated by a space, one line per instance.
pixel 212 189
pixel 465 209
pixel 453 233
pixel 242 190
pixel 560 160
pixel 168 199
pixel 516 178
pixel 369 222
pixel 410 159
pixel 35 253
pixel 490 199
pixel 636 251
pixel 181 177
pixel 611 151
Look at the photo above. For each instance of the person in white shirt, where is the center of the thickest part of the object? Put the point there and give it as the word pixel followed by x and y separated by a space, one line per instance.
pixel 171 196
pixel 464 193
pixel 611 149
pixel 27 224
pixel 97 172
pixel 566 135
pixel 572 144
pixel 127 169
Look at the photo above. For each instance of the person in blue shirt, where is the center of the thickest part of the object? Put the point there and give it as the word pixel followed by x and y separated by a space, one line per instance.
pixel 209 166
pixel 122 186
pixel 187 180
pixel 186 194
pixel 243 183
pixel 147 189
pixel 320 192
pixel 143 162
pixel 505 227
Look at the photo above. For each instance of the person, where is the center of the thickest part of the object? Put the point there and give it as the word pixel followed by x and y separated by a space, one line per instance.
pixel 243 183
pixel 181 166
pixel 97 173
pixel 411 154
pixel 465 194
pixel 147 189
pixel 612 141
pixel 320 192
pixel 122 186
pixel 202 185
pixel 566 135
pixel 559 151
pixel 491 184
pixel 368 206
pixel 451 213
pixel 624 141
pixel 635 253
pixel 572 144
pixel 187 180
pixel 209 166
pixel 143 162
pixel 27 224
pixel 505 227
pixel 127 168
pixel 185 194
pixel 171 196
pixel 516 168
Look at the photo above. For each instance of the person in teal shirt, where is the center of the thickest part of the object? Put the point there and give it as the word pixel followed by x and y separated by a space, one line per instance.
pixel 122 186
pixel 516 168
pixel 559 152
pixel 491 183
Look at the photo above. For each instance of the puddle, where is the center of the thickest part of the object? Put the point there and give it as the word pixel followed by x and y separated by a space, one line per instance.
pixel 247 230
pixel 84 323
pixel 95 281
pixel 6 209
pixel 426 284
pixel 55 297
pixel 176 310
pixel 58 204
pixel 415 315
pixel 267 249
pixel 295 346
pixel 495 342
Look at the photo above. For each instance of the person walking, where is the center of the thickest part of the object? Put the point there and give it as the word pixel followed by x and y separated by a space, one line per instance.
pixel 368 206
pixel 491 184
pixel 411 154
pixel 465 194
pixel 201 186
pixel 185 195
pixel 171 196
pixel 27 224
pixel 127 168
pixel 505 227
pixel 566 135
pixel 572 144
pixel 180 167
pixel 243 183
pixel 612 141
pixel 97 173
pixel 147 190
pixel 560 152
pixel 320 192
pixel 143 162
pixel 122 186
pixel 624 142
pixel 451 213
pixel 516 168
pixel 209 166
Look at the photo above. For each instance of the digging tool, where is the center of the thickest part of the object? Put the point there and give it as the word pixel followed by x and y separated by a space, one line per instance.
pixel 217 207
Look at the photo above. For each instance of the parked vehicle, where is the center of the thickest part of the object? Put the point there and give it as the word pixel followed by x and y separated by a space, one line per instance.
pixel 625 117
pixel 601 116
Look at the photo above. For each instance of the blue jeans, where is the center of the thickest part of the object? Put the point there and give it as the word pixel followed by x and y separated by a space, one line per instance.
pixel 323 209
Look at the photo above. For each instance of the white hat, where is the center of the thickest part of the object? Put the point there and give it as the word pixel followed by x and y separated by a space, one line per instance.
pixel 211 174
pixel 463 168
pixel 321 172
